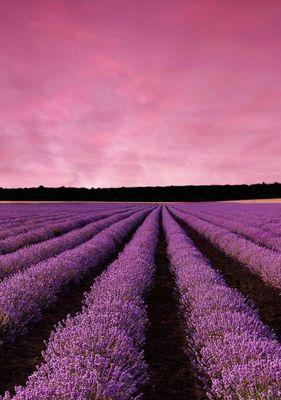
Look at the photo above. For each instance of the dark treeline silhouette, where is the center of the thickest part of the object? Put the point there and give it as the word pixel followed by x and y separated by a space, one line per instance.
pixel 154 194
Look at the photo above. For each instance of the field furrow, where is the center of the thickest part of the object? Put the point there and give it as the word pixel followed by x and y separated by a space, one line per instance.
pixel 28 256
pixel 261 261
pixel 19 358
pixel 42 234
pixel 99 353
pixel 140 301
pixel 25 294
pixel 171 374
pixel 237 356
pixel 257 235
pixel 266 299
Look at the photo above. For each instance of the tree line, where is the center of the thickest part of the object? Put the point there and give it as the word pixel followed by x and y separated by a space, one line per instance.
pixel 149 193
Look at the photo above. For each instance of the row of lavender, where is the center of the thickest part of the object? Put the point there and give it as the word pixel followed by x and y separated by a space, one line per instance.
pixel 260 260
pixel 24 223
pixel 27 292
pixel 236 355
pixel 256 234
pixel 49 230
pixel 98 354
pixel 264 216
pixel 15 213
pixel 16 237
pixel 32 254
pixel 16 228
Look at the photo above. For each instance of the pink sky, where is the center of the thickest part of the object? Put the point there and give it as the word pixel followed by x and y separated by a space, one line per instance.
pixel 139 92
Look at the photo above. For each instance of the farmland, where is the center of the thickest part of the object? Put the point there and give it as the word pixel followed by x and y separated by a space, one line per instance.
pixel 124 301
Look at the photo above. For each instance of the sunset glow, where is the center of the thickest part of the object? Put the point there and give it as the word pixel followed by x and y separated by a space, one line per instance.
pixel 101 93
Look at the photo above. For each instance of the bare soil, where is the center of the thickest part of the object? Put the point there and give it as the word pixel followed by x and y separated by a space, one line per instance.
pixel 172 376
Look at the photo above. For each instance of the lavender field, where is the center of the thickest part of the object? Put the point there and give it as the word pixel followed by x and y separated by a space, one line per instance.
pixel 124 301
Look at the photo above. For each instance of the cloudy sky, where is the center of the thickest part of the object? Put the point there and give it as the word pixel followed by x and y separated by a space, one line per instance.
pixel 103 93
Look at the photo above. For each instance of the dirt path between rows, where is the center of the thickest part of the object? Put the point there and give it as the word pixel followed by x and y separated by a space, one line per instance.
pixel 171 375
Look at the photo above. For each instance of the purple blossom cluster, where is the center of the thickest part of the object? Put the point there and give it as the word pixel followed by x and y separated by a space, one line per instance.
pixel 237 356
pixel 98 354
pixel 27 225
pixel 28 256
pixel 17 228
pixel 257 235
pixel 49 230
pixel 260 260
pixel 21 213
pixel 26 293
pixel 263 216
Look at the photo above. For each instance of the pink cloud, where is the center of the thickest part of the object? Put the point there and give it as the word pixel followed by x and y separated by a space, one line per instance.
pixel 102 93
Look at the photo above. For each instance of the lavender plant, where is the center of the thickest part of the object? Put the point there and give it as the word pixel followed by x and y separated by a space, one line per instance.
pixel 25 294
pixel 98 354
pixel 261 261
pixel 28 256
pixel 237 356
